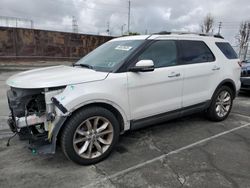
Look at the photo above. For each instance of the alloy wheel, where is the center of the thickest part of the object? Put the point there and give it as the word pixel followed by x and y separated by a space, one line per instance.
pixel 223 103
pixel 93 137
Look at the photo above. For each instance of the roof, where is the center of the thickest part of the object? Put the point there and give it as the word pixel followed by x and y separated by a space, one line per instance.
pixel 173 35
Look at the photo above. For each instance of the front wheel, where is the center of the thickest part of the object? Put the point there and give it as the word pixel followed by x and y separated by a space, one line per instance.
pixel 90 135
pixel 221 104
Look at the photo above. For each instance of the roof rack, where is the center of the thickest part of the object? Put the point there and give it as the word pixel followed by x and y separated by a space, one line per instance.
pixel 186 33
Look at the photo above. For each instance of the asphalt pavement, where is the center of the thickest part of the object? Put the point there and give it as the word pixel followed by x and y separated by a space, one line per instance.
pixel 187 152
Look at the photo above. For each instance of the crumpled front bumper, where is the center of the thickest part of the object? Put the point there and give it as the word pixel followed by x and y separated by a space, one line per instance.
pixel 42 142
pixel 41 145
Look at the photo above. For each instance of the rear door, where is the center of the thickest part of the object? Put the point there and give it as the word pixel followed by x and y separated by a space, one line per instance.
pixel 200 69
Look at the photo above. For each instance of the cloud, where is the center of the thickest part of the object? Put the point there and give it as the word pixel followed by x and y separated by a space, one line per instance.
pixel 93 16
pixel 193 14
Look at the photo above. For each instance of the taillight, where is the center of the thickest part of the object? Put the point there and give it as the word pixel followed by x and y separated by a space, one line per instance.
pixel 240 63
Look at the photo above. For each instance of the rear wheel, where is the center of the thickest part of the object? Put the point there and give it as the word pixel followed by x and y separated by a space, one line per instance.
pixel 90 135
pixel 221 104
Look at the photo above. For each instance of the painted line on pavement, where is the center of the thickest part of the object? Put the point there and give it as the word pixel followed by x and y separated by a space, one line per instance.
pixel 120 173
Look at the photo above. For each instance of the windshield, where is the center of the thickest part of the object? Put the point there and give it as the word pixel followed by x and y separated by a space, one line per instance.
pixel 109 55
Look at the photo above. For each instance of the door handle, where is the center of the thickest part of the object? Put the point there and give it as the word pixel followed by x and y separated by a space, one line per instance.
pixel 215 68
pixel 174 75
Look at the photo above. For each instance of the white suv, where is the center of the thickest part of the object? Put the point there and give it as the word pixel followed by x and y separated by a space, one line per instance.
pixel 125 84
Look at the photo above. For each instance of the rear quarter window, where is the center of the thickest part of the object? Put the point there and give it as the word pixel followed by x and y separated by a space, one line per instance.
pixel 227 50
pixel 192 52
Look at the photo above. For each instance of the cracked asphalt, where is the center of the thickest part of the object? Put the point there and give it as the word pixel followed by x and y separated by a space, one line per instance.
pixel 187 152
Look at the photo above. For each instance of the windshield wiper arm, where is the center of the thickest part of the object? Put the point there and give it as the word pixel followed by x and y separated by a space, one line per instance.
pixel 84 65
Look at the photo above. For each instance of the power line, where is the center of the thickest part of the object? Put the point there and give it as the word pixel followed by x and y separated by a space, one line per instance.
pixel 74 21
pixel 16 20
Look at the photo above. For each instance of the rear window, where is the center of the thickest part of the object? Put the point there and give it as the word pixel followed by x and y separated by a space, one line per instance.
pixel 195 52
pixel 227 50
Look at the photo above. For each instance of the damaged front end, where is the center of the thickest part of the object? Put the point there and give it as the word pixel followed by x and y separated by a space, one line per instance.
pixel 35 116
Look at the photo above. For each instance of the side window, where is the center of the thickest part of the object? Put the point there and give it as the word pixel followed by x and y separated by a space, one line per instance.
pixel 227 50
pixel 162 53
pixel 195 52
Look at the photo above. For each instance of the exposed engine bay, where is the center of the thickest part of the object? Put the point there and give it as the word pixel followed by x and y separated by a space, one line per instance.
pixel 32 112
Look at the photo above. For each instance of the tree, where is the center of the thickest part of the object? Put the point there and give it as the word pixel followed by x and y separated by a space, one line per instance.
pixel 134 33
pixel 131 34
pixel 207 24
pixel 243 36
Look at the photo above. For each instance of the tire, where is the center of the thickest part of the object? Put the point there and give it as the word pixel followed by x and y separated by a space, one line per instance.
pixel 93 126
pixel 220 107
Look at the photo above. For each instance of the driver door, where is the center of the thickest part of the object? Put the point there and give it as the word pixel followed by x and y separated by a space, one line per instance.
pixel 158 91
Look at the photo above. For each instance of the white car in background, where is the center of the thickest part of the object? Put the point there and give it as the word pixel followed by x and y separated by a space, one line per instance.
pixel 125 84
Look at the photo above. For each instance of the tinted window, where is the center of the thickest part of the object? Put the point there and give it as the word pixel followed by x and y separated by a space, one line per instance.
pixel 195 52
pixel 163 53
pixel 227 50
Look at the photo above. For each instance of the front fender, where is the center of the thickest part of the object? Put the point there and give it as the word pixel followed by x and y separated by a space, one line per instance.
pixel 77 96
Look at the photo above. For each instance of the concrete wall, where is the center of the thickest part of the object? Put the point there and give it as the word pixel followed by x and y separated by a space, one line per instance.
pixel 19 42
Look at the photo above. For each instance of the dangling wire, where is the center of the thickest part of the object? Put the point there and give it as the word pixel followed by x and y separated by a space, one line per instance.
pixel 8 142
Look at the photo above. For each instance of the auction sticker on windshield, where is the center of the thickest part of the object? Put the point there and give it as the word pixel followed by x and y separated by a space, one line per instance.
pixel 124 48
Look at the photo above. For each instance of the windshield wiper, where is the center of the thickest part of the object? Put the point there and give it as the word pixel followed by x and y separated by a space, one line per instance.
pixel 84 65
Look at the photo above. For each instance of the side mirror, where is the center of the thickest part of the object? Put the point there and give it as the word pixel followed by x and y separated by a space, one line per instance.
pixel 143 66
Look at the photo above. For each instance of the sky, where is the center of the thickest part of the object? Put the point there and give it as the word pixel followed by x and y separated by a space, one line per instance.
pixel 147 16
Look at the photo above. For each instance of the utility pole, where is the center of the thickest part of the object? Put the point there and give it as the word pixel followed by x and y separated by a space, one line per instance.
pixel 122 29
pixel 74 25
pixel 31 24
pixel 108 29
pixel 220 25
pixel 129 6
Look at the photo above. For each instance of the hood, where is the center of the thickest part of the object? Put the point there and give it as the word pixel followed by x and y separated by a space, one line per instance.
pixel 54 76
